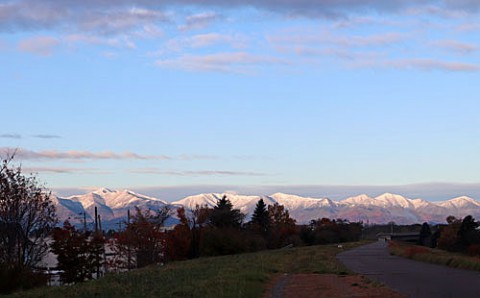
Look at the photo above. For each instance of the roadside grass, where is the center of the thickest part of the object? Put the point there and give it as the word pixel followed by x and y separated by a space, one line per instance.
pixel 243 275
pixel 433 255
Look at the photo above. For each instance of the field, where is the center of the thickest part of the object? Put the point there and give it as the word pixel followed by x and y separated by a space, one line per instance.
pixel 435 256
pixel 244 275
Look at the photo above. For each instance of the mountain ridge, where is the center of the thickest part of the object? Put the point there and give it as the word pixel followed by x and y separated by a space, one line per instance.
pixel 113 205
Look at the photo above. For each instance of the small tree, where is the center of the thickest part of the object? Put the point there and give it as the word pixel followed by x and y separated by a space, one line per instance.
pixel 282 226
pixel 144 239
pixel 79 255
pixel 27 217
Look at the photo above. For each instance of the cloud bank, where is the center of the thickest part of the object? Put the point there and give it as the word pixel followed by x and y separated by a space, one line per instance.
pixel 26 154
pixel 196 173
pixel 114 16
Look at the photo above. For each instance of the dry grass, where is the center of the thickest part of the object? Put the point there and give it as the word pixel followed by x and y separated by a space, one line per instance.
pixel 435 256
pixel 244 275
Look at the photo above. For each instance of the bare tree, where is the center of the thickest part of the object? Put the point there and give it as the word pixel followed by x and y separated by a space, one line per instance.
pixel 27 216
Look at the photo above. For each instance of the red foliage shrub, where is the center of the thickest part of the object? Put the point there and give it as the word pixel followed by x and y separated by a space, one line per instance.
pixel 474 250
pixel 411 251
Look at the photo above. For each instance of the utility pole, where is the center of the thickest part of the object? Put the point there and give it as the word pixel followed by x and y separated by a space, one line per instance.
pixel 96 220
pixel 84 222
pixel 129 254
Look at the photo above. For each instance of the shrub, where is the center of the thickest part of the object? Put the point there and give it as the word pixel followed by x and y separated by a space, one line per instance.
pixel 474 250
pixel 20 278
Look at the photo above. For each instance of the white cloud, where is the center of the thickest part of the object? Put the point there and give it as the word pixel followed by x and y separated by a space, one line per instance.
pixel 39 45
pixel 196 173
pixel 78 155
pixel 204 40
pixel 64 170
pixel 468 27
pixel 236 62
pixel 150 31
pixel 422 64
pixel 456 46
pixel 122 21
pixel 200 21
pixel 22 153
pixel 195 42
pixel 324 39
pixel 116 42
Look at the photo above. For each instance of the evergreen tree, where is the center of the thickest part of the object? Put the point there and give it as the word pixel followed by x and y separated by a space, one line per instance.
pixel 223 215
pixel 468 233
pixel 425 234
pixel 260 219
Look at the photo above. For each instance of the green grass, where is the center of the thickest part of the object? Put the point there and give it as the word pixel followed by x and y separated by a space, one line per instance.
pixel 435 256
pixel 244 275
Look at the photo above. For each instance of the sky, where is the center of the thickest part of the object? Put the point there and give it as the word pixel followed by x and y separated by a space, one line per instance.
pixel 312 97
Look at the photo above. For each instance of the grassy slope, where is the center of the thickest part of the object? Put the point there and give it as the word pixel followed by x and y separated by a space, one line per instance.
pixel 435 256
pixel 244 275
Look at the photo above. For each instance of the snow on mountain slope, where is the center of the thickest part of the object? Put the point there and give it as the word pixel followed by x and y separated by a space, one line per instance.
pixel 246 204
pixel 91 200
pixel 68 209
pixel 124 198
pixel 305 209
pixel 460 202
pixel 462 206
pixel 294 202
pixel 392 200
pixel 363 200
pixel 387 207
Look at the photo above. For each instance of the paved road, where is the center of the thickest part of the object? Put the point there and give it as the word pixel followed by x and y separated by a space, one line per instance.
pixel 412 278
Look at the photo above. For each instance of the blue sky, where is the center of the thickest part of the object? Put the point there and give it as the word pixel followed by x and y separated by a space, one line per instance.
pixel 248 96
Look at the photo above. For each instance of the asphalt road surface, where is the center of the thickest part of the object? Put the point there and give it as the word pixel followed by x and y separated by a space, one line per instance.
pixel 411 278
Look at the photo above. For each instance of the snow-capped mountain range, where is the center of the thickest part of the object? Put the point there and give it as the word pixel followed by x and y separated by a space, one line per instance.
pixel 112 205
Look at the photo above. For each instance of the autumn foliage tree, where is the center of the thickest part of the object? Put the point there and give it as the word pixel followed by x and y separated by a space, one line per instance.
pixel 79 254
pixel 282 226
pixel 143 242
pixel 448 239
pixel 185 239
pixel 27 217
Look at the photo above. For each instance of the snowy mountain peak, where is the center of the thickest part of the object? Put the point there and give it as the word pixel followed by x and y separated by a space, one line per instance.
pixel 463 199
pixel 114 205
pixel 284 196
pixel 390 196
pixel 103 190
pixel 459 202
pixel 362 199
pixel 389 199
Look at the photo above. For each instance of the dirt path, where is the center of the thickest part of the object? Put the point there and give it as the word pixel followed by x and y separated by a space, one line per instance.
pixel 412 278
pixel 326 285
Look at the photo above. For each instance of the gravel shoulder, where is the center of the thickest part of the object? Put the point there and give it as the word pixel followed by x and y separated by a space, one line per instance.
pixel 326 285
